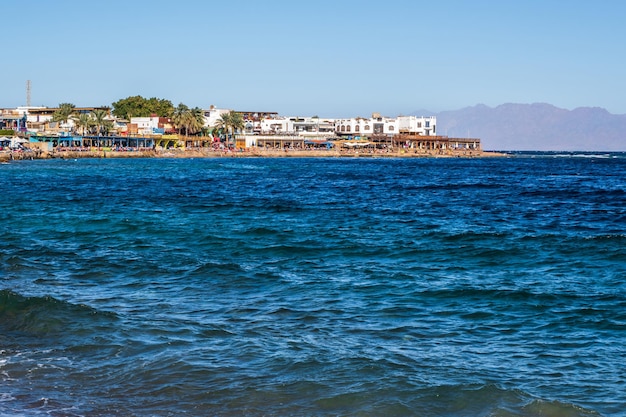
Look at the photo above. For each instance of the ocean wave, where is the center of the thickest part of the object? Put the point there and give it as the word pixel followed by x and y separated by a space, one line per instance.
pixel 46 315
pixel 534 292
pixel 356 287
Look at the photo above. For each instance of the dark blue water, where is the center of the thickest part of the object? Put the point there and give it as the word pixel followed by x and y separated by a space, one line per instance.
pixel 314 287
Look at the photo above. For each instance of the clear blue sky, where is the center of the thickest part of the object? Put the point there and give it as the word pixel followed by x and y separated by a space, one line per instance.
pixel 327 58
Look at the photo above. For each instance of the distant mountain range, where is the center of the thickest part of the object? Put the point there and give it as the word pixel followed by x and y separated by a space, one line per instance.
pixel 538 126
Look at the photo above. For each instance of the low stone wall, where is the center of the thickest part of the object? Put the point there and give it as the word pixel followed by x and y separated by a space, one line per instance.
pixel 253 152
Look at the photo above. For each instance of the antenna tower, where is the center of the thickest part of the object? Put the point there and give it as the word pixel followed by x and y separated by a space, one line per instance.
pixel 27 93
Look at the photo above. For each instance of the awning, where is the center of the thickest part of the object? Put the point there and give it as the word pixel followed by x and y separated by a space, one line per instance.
pixel 356 144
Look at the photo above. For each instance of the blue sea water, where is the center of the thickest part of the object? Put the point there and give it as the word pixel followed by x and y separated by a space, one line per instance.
pixel 314 287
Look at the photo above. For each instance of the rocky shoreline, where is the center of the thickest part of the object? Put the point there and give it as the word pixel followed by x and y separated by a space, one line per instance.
pixel 254 153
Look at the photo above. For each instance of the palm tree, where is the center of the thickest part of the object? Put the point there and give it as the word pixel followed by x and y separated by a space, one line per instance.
pixel 181 118
pixel 107 126
pixel 237 124
pixel 223 123
pixel 231 122
pixel 64 113
pixel 196 119
pixel 236 121
pixel 83 121
pixel 99 120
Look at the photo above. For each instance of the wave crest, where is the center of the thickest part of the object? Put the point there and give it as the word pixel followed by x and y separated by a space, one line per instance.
pixel 45 315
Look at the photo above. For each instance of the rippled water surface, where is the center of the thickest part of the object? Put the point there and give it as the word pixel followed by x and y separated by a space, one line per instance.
pixel 353 287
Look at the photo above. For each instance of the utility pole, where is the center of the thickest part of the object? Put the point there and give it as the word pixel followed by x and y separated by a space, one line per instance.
pixel 27 93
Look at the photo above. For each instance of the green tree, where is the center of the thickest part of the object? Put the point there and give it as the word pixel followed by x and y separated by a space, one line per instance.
pixel 180 118
pixel 137 106
pixel 191 120
pixel 231 123
pixel 99 120
pixel 106 127
pixel 83 121
pixel 63 113
pixel 236 121
pixel 160 107
pixel 196 120
pixel 223 123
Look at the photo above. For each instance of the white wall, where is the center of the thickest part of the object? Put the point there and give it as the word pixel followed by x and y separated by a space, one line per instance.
pixel 280 125
pixel 145 125
pixel 421 125
pixel 386 125
pixel 32 118
pixel 366 127
pixel 212 115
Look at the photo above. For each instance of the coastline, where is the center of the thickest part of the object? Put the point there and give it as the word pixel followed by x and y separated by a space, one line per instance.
pixel 248 153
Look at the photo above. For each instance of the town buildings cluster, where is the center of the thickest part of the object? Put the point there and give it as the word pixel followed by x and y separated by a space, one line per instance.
pixel 260 129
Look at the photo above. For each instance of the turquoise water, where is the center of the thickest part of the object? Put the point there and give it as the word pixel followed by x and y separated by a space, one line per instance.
pixel 314 287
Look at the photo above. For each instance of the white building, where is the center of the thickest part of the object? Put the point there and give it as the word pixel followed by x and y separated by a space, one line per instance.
pixel 423 126
pixel 145 125
pixel 152 125
pixel 360 126
pixel 379 125
pixel 313 126
pixel 32 115
pixel 279 125
pixel 300 126
pixel 213 115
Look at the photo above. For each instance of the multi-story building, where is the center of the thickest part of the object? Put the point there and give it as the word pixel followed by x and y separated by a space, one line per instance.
pixel 360 126
pixel 379 125
pixel 423 126
pixel 152 125
pixel 40 119
pixel 213 115
pixel 313 126
pixel 12 119
pixel 253 120
pixel 276 126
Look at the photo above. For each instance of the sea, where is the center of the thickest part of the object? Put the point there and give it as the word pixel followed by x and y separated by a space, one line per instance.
pixel 314 286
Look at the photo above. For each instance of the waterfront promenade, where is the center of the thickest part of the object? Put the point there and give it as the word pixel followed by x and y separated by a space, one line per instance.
pixel 7 156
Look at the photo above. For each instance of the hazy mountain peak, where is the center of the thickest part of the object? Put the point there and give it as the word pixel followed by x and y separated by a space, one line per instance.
pixel 536 126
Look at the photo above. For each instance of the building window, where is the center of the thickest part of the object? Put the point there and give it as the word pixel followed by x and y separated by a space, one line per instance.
pixel 356 128
pixel 347 128
pixel 419 124
pixel 343 128
pixel 427 124
pixel 367 127
pixel 391 128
